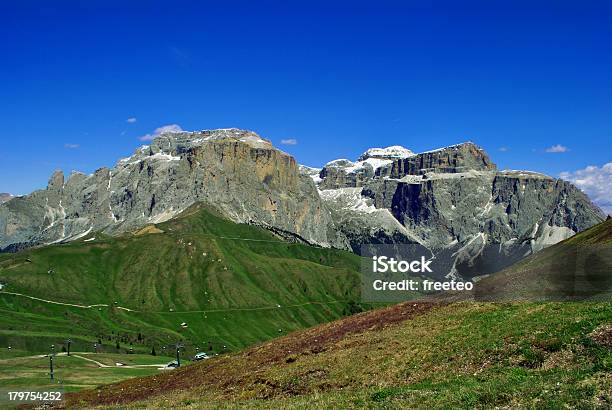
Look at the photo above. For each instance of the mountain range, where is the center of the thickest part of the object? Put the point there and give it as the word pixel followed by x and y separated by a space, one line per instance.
pixel 452 200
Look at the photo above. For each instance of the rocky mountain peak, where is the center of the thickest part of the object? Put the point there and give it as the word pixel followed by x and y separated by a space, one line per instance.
pixel 398 162
pixel 177 142
pixel 458 146
pixel 392 152
pixel 237 171
pixel 451 199
pixel 56 181
pixel 462 157
pixel 173 145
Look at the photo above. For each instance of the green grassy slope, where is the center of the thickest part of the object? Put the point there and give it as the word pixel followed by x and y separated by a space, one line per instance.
pixel 579 268
pixel 233 285
pixel 75 372
pixel 464 355
pixel 428 354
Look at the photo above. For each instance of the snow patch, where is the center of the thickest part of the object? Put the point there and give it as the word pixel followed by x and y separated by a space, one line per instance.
pixel 164 157
pixel 80 235
pixel 350 199
pixel 487 208
pixel 353 167
pixel 377 162
pixel 457 175
pixel 524 174
pixel 311 172
pixel 256 141
pixel 412 179
pixel 342 162
pixel 394 151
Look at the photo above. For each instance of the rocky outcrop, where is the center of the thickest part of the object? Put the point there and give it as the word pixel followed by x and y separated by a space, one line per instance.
pixel 236 171
pixel 5 197
pixel 453 200
pixel 454 159
pixel 397 162
pixel 343 173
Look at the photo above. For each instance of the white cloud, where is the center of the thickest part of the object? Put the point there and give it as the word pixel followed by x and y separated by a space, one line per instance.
pixel 161 130
pixel 131 120
pixel 290 141
pixel 596 182
pixel 71 146
pixel 503 149
pixel 557 148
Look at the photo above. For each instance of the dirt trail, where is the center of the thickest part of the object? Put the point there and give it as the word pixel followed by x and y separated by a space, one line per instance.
pixel 126 366
pixel 271 307
pixel 79 355
pixel 55 302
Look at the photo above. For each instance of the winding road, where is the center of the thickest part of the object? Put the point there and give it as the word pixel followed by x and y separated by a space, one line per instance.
pixel 65 304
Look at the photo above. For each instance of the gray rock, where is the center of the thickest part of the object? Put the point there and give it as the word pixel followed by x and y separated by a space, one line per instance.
pixel 361 221
pixel 456 158
pixel 397 162
pixel 454 200
pixel 236 171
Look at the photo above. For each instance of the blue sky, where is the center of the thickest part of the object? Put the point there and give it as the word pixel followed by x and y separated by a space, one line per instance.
pixel 338 77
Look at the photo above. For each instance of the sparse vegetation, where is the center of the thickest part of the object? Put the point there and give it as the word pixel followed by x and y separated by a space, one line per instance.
pixel 464 355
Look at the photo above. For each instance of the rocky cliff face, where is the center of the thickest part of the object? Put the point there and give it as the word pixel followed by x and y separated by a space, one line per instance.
pixel 452 200
pixel 397 162
pixel 236 171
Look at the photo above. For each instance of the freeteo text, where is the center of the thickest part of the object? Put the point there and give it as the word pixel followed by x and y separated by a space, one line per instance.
pixel 384 264
pixel 424 285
